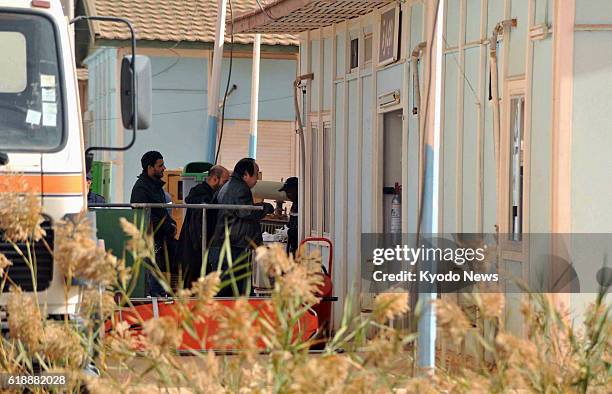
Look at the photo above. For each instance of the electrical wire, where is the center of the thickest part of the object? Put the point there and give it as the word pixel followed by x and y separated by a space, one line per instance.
pixel 229 79
pixel 266 12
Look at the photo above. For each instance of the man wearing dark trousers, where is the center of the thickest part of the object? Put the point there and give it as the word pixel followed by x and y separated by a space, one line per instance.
pixel 244 226
pixel 189 251
pixel 291 189
pixel 149 189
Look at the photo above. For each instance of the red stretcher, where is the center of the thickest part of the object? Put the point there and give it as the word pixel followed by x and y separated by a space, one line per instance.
pixel 316 321
pixel 206 328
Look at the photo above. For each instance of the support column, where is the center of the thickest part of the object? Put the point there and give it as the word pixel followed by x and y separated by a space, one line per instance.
pixel 254 97
pixel 215 84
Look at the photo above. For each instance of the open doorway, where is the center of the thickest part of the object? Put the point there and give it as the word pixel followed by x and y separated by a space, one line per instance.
pixel 392 164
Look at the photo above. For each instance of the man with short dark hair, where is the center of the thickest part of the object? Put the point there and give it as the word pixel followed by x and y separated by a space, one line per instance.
pixel 244 226
pixel 189 252
pixel 149 189
pixel 92 197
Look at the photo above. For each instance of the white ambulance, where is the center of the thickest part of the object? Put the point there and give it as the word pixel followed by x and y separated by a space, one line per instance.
pixel 40 131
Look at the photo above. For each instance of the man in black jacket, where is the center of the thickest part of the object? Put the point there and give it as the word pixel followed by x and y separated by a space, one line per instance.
pixel 244 227
pixel 290 187
pixel 189 251
pixel 149 189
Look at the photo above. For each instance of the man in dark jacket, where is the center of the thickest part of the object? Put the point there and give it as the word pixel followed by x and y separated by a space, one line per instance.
pixel 244 227
pixel 291 189
pixel 189 251
pixel 149 189
pixel 93 198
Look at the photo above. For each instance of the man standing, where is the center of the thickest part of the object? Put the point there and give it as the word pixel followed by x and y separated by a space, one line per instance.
pixel 149 189
pixel 244 227
pixel 93 198
pixel 291 189
pixel 189 253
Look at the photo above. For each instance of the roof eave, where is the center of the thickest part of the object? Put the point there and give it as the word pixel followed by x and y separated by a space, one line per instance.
pixel 254 21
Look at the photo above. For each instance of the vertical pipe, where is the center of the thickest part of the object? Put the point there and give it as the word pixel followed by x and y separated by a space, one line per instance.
pixel 427 294
pixel 215 84
pixel 254 97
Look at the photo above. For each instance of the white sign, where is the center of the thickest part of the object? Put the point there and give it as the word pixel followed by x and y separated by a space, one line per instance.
pixel 49 114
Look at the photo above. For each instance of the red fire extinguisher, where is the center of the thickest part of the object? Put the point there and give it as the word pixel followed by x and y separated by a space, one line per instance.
pixel 396 210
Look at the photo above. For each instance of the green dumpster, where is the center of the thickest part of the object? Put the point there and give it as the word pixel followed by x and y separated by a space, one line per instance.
pixel 194 173
pixel 109 229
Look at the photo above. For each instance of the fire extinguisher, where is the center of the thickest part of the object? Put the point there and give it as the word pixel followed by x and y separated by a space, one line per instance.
pixel 396 210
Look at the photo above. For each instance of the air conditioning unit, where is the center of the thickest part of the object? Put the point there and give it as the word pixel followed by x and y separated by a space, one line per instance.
pixel 389 99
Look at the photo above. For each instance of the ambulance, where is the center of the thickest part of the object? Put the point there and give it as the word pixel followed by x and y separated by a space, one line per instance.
pixel 41 134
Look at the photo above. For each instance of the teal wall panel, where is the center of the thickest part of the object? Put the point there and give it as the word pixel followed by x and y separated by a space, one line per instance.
pixel 540 197
pixel 593 11
pixel 472 20
pixel 340 52
pixel 389 79
pixel 353 173
pixel 449 145
pixel 314 67
pixel 367 163
pixel 452 22
pixel 518 38
pixel 327 73
pixel 470 143
pixel 591 137
pixel 495 14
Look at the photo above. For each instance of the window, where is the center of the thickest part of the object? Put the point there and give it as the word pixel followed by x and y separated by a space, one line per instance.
pixel 31 117
pixel 326 177
pixel 314 178
pixel 354 53
pixel 517 114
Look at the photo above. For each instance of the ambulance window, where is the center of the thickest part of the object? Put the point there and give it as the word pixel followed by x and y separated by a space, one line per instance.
pixel 31 110
pixel 14 76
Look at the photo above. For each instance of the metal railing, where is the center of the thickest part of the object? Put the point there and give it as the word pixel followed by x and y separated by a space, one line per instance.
pixel 203 207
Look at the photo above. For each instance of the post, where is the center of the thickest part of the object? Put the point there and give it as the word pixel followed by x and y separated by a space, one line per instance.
pixel 254 97
pixel 427 322
pixel 215 84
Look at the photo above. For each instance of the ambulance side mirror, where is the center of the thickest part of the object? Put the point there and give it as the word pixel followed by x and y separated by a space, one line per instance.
pixel 144 93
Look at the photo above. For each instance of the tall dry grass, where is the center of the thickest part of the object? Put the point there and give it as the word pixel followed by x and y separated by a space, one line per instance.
pixel 365 354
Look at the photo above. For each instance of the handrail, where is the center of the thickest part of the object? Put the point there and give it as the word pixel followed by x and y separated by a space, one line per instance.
pixel 164 205
pixel 203 207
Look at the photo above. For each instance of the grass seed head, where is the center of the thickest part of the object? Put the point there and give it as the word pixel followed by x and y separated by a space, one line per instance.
pixel 20 210
pixel 388 306
pixel 24 319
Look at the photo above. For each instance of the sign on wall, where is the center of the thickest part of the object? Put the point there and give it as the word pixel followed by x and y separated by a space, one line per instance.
pixel 389 36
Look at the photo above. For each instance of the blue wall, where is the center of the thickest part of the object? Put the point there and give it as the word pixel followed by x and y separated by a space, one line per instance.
pixel 275 89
